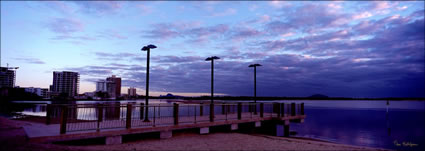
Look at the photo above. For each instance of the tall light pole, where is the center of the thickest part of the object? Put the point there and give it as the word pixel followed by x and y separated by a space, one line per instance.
pixel 147 48
pixel 212 76
pixel 255 80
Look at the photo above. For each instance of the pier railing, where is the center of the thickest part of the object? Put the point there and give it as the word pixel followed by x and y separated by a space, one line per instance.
pixel 84 117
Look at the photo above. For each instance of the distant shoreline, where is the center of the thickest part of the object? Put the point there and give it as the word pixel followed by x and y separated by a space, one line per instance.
pixel 245 99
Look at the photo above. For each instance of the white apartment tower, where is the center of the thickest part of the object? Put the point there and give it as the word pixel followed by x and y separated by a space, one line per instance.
pixel 66 82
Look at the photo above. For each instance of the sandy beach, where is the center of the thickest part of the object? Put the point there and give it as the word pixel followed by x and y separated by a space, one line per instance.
pixel 13 137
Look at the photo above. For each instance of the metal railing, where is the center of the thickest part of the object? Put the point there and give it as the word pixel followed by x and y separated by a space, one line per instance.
pixel 83 117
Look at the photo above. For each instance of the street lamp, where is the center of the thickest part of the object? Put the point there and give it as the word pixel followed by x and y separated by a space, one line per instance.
pixel 255 85
pixel 147 48
pixel 212 76
pixel 255 80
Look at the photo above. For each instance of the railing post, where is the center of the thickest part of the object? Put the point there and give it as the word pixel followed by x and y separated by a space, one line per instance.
pixel 99 115
pixel 223 108
pixel 302 108
pixel 201 109
pixel 288 109
pixel 176 113
pixel 154 115
pixel 194 107
pixel 227 110
pixel 142 106
pixel 48 113
pixel 278 109
pixel 255 108
pixel 63 120
pixel 261 109
pixel 292 109
pixel 128 117
pixel 239 111
pixel 282 109
pixel 211 112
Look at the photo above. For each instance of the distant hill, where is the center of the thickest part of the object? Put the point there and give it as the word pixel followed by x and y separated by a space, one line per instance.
pixel 318 96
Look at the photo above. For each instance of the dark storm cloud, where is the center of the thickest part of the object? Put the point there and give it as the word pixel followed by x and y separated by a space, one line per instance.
pixel 381 57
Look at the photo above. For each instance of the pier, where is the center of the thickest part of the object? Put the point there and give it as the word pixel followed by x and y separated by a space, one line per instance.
pixel 67 122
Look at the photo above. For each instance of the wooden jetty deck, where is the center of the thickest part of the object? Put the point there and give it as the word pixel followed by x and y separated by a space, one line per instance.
pixel 113 121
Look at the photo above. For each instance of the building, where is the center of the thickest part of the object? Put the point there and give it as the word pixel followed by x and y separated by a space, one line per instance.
pixel 132 92
pixel 7 77
pixel 39 91
pixel 107 87
pixel 101 86
pixel 65 83
pixel 117 81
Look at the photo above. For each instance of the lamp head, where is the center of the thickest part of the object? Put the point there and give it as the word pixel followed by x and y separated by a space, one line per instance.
pixel 254 65
pixel 148 47
pixel 151 46
pixel 212 58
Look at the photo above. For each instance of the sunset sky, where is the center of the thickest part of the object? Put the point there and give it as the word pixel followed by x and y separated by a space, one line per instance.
pixel 339 49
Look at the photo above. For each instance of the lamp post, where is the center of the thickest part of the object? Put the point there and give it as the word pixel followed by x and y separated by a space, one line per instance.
pixel 255 85
pixel 147 48
pixel 212 76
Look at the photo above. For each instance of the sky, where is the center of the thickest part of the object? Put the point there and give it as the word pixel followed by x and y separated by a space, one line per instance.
pixel 335 48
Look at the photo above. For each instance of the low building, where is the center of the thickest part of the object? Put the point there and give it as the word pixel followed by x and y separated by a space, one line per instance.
pixel 43 92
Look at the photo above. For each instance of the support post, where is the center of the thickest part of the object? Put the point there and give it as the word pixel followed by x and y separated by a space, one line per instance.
pixel 223 108
pixel 211 112
pixel 165 134
pixel 128 117
pixel 286 130
pixel 239 111
pixel 48 113
pixel 63 120
pixel 176 113
pixel 292 109
pixel 234 127
pixel 113 140
pixel 261 109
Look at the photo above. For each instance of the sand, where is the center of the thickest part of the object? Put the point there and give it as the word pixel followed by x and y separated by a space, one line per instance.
pixel 13 137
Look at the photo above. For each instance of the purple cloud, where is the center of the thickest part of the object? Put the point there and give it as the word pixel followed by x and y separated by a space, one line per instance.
pixel 65 26
pixel 31 60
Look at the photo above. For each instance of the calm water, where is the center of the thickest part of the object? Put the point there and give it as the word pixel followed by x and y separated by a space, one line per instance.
pixel 364 123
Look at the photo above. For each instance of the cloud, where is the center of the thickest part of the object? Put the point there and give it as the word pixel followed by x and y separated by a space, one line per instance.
pixel 227 12
pixel 31 60
pixel 99 7
pixel 307 49
pixel 277 3
pixel 111 34
pixel 65 26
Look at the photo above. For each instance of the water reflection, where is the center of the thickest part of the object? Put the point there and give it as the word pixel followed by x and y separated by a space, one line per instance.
pixel 374 126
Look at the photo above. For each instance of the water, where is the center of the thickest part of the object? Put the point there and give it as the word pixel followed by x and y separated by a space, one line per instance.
pixel 398 125
pixel 365 123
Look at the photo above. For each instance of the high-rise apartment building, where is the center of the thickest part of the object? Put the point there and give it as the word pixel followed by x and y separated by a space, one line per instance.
pixel 7 77
pixel 66 83
pixel 132 92
pixel 117 81
pixel 106 86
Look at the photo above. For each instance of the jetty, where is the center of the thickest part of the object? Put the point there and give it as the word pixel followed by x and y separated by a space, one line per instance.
pixel 68 122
